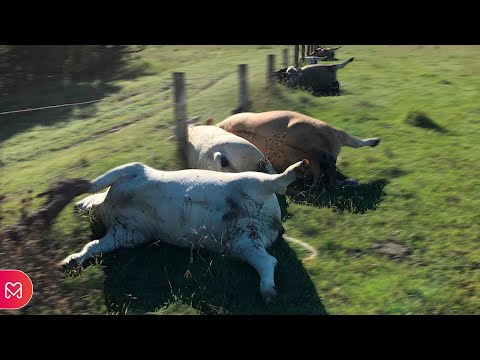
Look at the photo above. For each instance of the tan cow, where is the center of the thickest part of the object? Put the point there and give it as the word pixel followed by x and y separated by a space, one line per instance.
pixel 285 137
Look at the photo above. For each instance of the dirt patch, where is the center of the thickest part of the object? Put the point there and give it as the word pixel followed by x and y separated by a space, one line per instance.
pixel 392 249
pixel 57 196
pixel 28 245
pixel 35 254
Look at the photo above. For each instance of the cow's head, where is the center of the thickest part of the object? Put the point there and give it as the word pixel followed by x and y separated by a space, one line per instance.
pixel 292 73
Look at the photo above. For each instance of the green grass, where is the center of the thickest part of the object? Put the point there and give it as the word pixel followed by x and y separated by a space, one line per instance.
pixel 419 185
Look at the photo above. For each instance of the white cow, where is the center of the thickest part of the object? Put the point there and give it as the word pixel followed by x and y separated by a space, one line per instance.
pixel 213 148
pixel 234 213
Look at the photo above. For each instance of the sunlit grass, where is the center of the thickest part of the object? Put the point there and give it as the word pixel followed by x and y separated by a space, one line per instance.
pixel 402 94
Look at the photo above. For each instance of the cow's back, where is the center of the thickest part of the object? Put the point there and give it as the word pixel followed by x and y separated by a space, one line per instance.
pixel 190 207
pixel 318 76
pixel 284 137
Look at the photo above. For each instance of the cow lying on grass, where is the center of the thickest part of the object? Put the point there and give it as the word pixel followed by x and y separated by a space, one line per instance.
pixel 212 148
pixel 234 213
pixel 285 137
pixel 327 54
pixel 309 60
pixel 319 79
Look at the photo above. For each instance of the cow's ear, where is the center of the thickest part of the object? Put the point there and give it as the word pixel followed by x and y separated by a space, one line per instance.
pixel 220 160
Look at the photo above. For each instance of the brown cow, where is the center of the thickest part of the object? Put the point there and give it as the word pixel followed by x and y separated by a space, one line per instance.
pixel 285 137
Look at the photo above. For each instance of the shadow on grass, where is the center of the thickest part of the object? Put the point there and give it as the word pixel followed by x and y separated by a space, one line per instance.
pixel 57 92
pixel 351 199
pixel 421 120
pixel 149 278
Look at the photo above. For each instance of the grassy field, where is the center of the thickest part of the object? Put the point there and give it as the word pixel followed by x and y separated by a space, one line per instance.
pixel 418 186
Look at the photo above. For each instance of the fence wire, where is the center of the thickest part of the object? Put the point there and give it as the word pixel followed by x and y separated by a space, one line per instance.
pixel 195 85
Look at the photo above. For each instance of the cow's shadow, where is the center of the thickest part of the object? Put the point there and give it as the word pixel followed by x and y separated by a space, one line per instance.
pixel 156 276
pixel 353 199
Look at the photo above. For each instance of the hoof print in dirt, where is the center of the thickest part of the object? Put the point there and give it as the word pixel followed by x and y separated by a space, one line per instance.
pixel 393 250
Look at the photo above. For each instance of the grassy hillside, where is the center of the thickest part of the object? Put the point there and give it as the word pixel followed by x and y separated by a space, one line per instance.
pixel 419 185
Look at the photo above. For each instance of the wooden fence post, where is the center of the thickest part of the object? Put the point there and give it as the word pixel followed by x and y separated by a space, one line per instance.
pixel 242 80
pixel 270 69
pixel 285 57
pixel 296 55
pixel 180 116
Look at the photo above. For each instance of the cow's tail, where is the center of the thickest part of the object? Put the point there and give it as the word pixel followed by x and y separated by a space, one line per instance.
pixel 342 65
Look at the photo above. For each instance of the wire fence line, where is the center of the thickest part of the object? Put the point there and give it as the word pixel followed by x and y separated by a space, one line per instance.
pixel 192 82
pixel 195 84
pixel 49 107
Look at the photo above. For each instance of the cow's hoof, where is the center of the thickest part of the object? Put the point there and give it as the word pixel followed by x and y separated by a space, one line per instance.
pixel 269 294
pixel 348 183
pixel 70 267
pixel 375 142
pixel 304 166
pixel 301 168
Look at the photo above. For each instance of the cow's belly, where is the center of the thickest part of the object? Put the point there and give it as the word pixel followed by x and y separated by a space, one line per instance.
pixel 213 217
pixel 281 153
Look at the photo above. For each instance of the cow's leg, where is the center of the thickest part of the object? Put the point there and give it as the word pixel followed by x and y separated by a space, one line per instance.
pixel 325 171
pixel 352 141
pixel 114 239
pixel 278 183
pixel 253 253
pixel 90 201
pixel 324 168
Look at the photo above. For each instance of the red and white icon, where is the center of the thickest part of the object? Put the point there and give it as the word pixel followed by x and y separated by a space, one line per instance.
pixel 16 289
pixel 12 289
